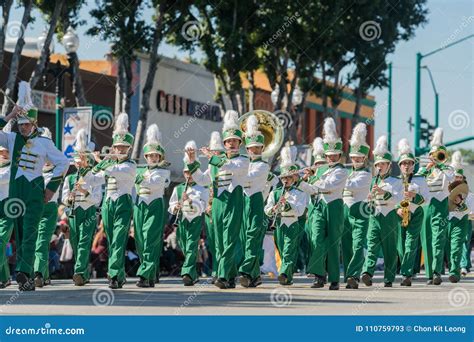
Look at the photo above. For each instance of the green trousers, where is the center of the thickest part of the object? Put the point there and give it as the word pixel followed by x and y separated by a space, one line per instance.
pixel 466 248
pixel 46 228
pixel 6 228
pixel 83 224
pixel 383 233
pixel 227 209
pixel 116 216
pixel 188 235
pixel 433 235
pixel 30 196
pixel 211 242
pixel 288 249
pixel 457 234
pixel 254 234
pixel 354 238
pixel 327 228
pixel 148 223
pixel 408 243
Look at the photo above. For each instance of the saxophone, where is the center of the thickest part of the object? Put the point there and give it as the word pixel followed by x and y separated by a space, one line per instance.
pixel 405 204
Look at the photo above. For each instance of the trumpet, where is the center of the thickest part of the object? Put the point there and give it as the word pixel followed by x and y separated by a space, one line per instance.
pixel 279 207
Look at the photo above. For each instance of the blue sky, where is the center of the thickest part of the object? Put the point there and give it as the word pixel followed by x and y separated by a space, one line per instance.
pixel 452 69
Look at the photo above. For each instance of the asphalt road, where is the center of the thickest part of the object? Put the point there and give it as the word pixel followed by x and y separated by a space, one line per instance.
pixel 170 297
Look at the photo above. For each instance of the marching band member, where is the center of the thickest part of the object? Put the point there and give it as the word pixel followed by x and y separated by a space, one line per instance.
pixel 327 227
pixel 118 173
pixel 459 223
pixel 46 226
pixel 415 193
pixel 6 223
pixel 466 248
pixel 188 202
pixel 318 168
pixel 284 206
pixel 254 230
pixel 434 230
pixel 81 200
pixel 228 200
pixel 385 194
pixel 29 152
pixel 149 210
pixel 356 217
pixel 216 148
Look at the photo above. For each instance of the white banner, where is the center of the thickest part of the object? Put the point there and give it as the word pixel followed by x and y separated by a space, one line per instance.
pixel 75 119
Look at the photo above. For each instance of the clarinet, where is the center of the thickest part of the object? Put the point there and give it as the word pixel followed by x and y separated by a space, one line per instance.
pixel 175 223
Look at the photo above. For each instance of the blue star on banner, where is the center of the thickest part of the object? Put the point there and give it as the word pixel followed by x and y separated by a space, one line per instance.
pixel 68 129
pixel 68 151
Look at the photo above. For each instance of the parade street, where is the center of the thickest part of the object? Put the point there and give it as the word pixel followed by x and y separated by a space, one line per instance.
pixel 170 297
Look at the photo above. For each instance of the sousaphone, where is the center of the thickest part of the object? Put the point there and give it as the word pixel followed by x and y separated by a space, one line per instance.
pixel 270 126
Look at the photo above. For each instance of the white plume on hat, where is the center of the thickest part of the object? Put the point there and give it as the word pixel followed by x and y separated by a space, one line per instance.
pixel 252 126
pixel 359 135
pixel 231 119
pixel 329 131
pixel 215 144
pixel 8 127
pixel 81 141
pixel 437 138
pixel 24 96
pixel 288 156
pixel 121 124
pixel 403 147
pixel 153 135
pixel 45 132
pixel 189 145
pixel 381 147
pixel 318 148
pixel 456 160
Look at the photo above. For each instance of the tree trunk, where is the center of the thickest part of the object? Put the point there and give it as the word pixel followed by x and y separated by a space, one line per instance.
pixel 15 63
pixel 127 105
pixel 77 86
pixel 324 91
pixel 250 76
pixel 41 63
pixel 5 18
pixel 358 103
pixel 145 103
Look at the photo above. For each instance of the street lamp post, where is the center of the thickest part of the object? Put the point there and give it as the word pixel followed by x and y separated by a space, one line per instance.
pixel 71 43
pixel 435 94
pixel 419 58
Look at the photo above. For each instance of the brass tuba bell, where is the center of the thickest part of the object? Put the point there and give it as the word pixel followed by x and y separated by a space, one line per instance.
pixel 439 156
pixel 270 127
